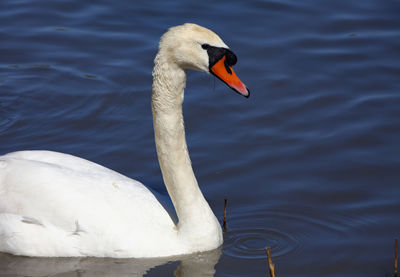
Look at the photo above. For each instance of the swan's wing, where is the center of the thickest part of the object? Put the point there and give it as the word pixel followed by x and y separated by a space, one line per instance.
pixel 67 195
pixel 60 159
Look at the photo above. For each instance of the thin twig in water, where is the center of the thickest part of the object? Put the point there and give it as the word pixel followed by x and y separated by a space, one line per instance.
pixel 270 264
pixel 225 202
pixel 396 247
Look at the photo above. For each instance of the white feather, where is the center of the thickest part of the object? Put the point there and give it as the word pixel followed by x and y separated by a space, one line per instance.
pixel 54 204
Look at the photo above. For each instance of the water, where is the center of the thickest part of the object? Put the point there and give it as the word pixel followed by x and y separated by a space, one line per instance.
pixel 310 163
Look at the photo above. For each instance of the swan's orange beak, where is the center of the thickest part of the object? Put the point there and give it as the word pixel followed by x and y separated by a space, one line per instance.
pixel 227 75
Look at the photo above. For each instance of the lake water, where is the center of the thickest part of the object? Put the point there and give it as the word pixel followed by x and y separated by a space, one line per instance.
pixel 310 163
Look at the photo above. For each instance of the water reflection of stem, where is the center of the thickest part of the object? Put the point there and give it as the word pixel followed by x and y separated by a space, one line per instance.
pixel 396 247
pixel 270 264
pixel 225 201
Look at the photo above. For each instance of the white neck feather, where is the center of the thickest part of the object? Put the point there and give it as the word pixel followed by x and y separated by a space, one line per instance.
pixel 196 219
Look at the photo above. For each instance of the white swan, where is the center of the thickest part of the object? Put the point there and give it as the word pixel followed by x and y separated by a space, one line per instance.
pixel 54 204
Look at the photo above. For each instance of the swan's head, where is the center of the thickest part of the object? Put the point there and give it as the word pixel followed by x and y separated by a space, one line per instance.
pixel 195 47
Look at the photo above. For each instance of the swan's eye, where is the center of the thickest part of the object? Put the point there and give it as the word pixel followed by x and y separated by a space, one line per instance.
pixel 205 46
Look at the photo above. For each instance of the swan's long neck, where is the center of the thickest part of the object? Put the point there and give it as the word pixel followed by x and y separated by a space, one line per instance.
pixel 193 211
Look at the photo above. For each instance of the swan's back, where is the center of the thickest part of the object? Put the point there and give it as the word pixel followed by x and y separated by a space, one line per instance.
pixel 50 196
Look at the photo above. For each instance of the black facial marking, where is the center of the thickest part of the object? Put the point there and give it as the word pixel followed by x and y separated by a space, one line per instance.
pixel 231 58
pixel 216 53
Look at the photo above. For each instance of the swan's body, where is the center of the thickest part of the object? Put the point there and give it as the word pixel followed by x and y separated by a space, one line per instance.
pixel 54 204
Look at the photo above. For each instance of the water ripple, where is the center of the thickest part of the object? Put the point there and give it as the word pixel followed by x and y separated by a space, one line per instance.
pixel 286 230
pixel 248 243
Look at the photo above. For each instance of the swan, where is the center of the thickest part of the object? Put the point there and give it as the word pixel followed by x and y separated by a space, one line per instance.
pixel 59 205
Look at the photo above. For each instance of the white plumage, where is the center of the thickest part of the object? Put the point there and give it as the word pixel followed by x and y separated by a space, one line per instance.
pixel 54 204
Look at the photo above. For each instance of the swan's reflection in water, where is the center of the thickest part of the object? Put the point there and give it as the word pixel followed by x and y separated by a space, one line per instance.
pixel 200 264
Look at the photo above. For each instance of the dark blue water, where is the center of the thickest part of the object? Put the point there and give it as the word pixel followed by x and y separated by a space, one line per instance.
pixel 310 163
